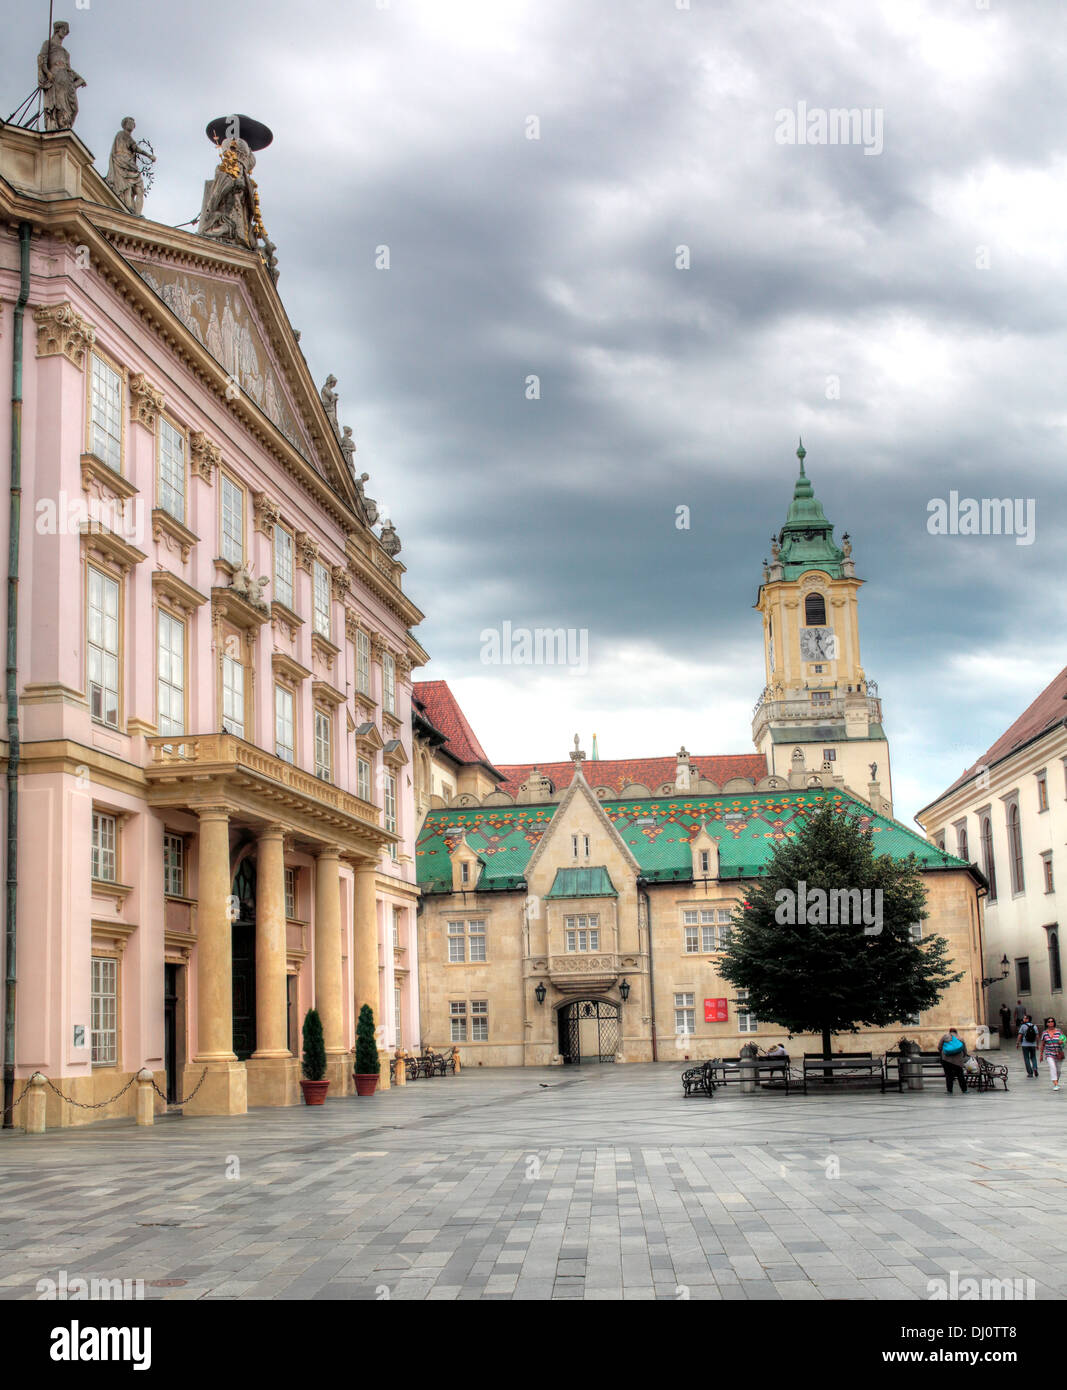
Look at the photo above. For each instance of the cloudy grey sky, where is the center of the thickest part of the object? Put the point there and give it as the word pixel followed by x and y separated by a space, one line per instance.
pixel 929 280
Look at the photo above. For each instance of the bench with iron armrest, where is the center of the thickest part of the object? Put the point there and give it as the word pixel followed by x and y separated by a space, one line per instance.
pixel 989 1073
pixel 699 1081
pixel 851 1066
pixel 929 1065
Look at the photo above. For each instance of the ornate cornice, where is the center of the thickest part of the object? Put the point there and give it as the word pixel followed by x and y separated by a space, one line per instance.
pixel 97 474
pixel 62 332
pixel 96 538
pixel 146 401
pixel 183 596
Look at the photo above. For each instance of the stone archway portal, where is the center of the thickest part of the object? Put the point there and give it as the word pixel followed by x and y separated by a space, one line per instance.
pixel 588 1031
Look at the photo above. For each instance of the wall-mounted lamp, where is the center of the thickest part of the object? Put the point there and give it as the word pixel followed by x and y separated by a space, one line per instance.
pixel 540 992
pixel 994 979
pixel 624 990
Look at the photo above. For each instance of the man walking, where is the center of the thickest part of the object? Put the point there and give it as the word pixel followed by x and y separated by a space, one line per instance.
pixel 1027 1040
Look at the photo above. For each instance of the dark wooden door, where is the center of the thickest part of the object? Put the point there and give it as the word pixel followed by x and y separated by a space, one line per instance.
pixel 243 941
pixel 170 1030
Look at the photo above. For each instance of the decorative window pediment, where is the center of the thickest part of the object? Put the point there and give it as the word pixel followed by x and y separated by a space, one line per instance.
pixel 393 753
pixel 227 603
pixel 368 739
pixel 168 531
pixel 97 540
pixel 181 595
pixel 288 668
pixel 327 694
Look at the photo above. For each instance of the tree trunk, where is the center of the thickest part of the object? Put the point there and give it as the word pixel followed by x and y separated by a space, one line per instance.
pixel 827 1044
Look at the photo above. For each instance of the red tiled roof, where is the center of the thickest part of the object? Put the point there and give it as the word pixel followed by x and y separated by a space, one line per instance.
pixel 445 714
pixel 1048 710
pixel 617 773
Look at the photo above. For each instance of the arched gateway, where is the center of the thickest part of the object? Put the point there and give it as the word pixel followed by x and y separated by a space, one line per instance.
pixel 588 1031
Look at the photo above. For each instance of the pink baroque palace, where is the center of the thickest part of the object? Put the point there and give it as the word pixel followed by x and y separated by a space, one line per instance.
pixel 207 757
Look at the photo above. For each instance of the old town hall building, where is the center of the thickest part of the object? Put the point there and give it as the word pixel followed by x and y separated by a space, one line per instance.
pixel 576 910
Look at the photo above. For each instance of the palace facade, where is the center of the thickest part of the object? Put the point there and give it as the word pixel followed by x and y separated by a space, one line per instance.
pixel 215 813
pixel 577 910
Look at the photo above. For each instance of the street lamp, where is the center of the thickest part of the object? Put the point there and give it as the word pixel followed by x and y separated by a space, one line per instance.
pixel 624 990
pixel 995 979
pixel 540 992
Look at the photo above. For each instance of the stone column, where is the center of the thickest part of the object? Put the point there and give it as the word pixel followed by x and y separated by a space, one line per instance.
pixel 223 1091
pixel 272 1069
pixel 366 940
pixel 328 985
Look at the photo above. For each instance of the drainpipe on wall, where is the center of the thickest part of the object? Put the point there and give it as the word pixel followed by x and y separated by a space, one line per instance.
pixel 642 893
pixel 14 520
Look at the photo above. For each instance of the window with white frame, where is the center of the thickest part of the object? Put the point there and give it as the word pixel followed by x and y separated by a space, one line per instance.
pixel 582 932
pixel 284 724
pixel 171 470
pixel 232 503
pixel 233 695
pixel 396 928
pixel 706 929
pixel 173 865
pixel 479 1020
pixel 104 1011
pixel 705 861
pixel 104 847
pixel 362 662
pixel 458 1019
pixel 363 779
pixel 388 683
pixel 290 892
pixel 685 1013
pixel 323 745
pixel 283 566
pixel 170 716
pixel 322 602
pixel 390 809
pixel 105 414
pixel 747 1021
pixel 466 941
pixel 103 648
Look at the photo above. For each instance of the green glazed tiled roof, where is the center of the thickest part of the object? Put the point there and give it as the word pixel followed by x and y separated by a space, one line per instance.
pixel 582 883
pixel 658 831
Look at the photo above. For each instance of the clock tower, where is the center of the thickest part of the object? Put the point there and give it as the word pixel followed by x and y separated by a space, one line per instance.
pixel 818 711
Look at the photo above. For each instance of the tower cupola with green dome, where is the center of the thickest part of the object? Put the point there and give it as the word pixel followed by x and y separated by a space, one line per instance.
pixel 818 712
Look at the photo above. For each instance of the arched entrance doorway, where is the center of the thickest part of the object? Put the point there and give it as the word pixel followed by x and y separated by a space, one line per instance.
pixel 243 944
pixel 588 1031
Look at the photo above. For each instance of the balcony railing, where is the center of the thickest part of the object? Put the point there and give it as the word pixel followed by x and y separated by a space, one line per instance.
pixel 217 754
pixel 803 710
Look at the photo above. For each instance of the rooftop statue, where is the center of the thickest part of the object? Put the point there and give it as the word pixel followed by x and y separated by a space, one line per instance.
pixel 57 80
pixel 369 504
pixel 348 448
pixel 329 403
pixel 231 205
pixel 390 540
pixel 127 168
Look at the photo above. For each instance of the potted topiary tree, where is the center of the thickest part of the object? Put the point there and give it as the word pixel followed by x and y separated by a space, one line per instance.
pixel 315 1083
pixel 366 1072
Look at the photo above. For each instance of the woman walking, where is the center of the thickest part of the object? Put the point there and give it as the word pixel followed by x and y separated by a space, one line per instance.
pixel 953 1052
pixel 1051 1050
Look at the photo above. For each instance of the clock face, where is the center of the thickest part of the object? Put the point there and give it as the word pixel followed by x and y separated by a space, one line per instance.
pixel 817 644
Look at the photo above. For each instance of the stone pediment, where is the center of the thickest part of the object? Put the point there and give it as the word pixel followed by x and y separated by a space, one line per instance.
pixel 219 313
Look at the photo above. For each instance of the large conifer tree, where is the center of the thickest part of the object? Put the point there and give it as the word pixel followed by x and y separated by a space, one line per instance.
pixel 835 976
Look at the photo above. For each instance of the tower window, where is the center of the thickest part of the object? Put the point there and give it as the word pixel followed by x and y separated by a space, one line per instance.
pixel 814 611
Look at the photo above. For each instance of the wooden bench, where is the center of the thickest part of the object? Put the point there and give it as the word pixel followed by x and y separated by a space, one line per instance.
pixel 726 1070
pixel 929 1066
pixel 854 1066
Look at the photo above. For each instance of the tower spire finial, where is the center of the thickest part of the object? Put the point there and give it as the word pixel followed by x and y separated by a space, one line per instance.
pixel 802 454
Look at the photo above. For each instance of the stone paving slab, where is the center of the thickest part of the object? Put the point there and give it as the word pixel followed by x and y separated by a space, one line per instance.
pixel 529 1184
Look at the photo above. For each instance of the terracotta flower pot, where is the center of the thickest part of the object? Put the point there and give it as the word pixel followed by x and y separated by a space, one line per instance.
pixel 314 1091
pixel 367 1084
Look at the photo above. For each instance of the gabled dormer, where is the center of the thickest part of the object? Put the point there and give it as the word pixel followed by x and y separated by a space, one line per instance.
pixel 705 849
pixel 466 866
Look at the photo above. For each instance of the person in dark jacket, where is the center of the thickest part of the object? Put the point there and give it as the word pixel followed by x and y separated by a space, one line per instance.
pixel 953 1052
pixel 1027 1041
pixel 1005 1021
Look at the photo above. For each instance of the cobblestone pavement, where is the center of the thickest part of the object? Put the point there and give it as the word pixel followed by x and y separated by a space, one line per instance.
pixel 601 1183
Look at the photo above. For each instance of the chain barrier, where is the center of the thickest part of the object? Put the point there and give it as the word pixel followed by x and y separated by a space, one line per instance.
pixel 186 1099
pixel 99 1105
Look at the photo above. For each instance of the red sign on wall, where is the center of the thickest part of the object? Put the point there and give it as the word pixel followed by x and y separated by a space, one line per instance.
pixel 715 1011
